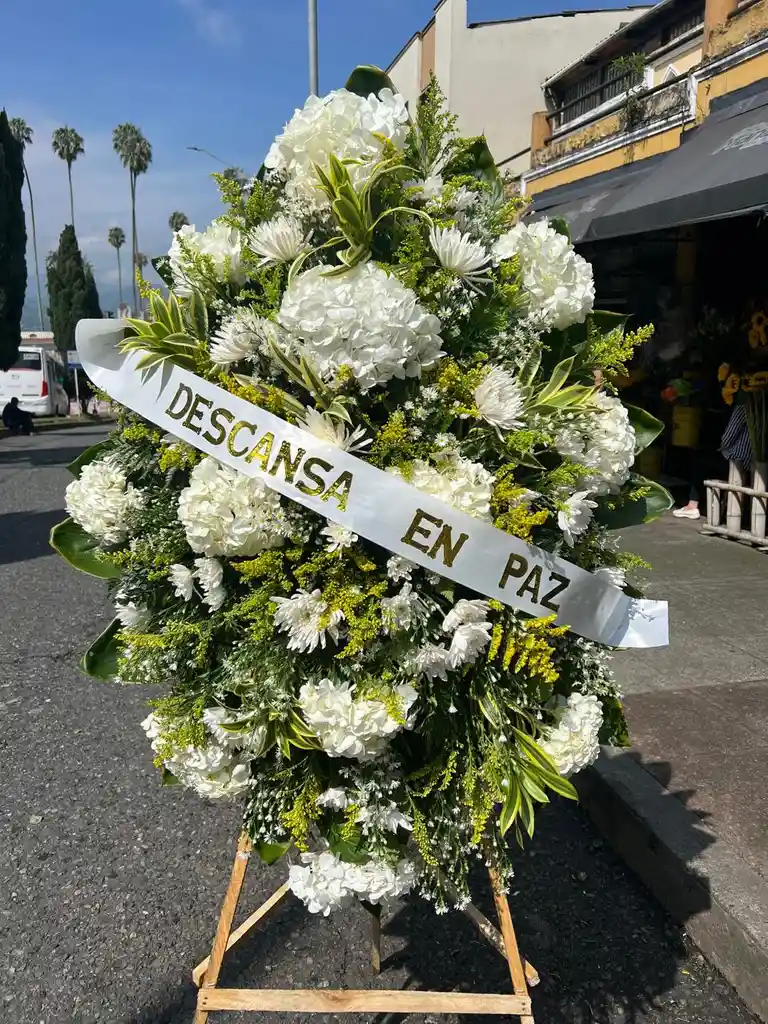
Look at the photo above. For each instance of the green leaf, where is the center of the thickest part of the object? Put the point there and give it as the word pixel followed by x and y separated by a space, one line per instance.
pixel 647 427
pixel 561 227
pixel 556 381
pixel 349 848
pixel 633 513
pixel 168 778
pixel 534 790
pixel 511 806
pixel 271 853
pixel 163 270
pixel 367 79
pixel 481 162
pixel 100 660
pixel 196 316
pixel 89 455
pixel 81 550
pixel 606 321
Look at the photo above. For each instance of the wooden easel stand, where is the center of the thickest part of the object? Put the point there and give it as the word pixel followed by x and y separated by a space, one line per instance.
pixel 211 998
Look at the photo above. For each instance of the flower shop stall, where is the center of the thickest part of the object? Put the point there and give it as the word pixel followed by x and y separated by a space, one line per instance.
pixel 357 521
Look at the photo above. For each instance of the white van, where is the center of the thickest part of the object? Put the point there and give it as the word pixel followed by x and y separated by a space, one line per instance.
pixel 35 379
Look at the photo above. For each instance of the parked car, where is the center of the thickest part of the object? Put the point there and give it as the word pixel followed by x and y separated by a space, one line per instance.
pixel 36 380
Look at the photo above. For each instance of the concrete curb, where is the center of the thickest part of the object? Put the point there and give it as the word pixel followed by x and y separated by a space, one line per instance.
pixel 64 424
pixel 700 879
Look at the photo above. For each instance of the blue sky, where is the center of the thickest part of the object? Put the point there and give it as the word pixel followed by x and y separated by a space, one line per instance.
pixel 220 74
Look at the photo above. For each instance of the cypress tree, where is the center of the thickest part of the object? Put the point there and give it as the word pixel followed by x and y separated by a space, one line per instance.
pixel 71 290
pixel 13 245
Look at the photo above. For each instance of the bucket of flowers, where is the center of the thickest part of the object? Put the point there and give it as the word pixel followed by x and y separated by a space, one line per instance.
pixel 374 286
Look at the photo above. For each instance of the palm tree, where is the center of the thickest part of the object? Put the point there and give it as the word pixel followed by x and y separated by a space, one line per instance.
pixel 136 154
pixel 23 135
pixel 68 145
pixel 116 239
pixel 141 260
pixel 177 220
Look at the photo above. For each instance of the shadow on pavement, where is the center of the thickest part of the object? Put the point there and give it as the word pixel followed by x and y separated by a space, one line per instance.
pixel 61 455
pixel 24 535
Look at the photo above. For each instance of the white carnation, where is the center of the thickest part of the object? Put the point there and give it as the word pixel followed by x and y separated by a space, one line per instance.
pixel 210 574
pixel 573 742
pixel 228 513
pixel 219 242
pixel 341 124
pixel 301 615
pixel 279 240
pixel 575 517
pixel 182 580
pixel 499 399
pixel 557 281
pixel 604 442
pixel 101 501
pixel 364 319
pixel 347 727
pixel 455 480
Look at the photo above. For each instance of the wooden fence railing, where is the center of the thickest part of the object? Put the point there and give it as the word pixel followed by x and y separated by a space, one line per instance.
pixel 737 508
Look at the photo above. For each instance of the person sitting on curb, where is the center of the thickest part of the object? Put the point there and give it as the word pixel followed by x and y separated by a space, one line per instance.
pixel 16 419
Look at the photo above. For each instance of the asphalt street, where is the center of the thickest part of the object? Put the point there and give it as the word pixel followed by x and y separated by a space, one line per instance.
pixel 110 885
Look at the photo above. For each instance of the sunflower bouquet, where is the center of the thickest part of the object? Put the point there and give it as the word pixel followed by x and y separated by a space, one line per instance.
pixel 374 286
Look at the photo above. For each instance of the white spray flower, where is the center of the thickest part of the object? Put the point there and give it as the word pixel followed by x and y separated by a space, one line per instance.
pixel 182 580
pixel 401 611
pixel 339 537
pixel 300 616
pixel 399 568
pixel 219 243
pixel 279 240
pixel 239 337
pixel 334 431
pixel 471 629
pixel 210 574
pixel 458 252
pixel 334 798
pixel 574 519
pixel 573 742
pixel 500 400
pixel 431 661
pixel 131 616
pixel 101 501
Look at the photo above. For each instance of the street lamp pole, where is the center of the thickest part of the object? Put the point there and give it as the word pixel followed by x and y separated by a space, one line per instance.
pixel 312 31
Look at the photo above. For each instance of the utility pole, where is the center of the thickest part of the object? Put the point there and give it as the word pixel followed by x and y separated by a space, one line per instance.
pixel 312 31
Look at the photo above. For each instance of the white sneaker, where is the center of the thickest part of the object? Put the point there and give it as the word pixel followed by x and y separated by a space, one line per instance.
pixel 687 513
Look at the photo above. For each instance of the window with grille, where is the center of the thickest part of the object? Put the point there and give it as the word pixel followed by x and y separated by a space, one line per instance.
pixel 687 24
pixel 603 84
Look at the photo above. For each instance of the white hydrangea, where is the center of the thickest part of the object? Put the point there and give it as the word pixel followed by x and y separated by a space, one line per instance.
pixel 364 319
pixel 558 282
pixel 500 400
pixel 228 513
pixel 182 580
pixel 212 771
pixel 324 882
pixel 210 574
pixel 455 480
pixel 341 124
pixel 575 517
pixel 219 242
pixel 573 742
pixel 251 734
pixel 468 622
pixel 279 240
pixel 347 727
pixel 301 615
pixel 603 442
pixel 101 501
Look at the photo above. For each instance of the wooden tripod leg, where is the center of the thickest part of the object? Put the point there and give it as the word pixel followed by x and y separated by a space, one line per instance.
pixel 374 912
pixel 224 927
pixel 516 969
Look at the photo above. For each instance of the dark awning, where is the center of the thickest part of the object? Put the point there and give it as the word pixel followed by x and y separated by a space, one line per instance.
pixel 580 202
pixel 720 170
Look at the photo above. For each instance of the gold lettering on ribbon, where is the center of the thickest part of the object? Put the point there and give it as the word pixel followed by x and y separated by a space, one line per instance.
pixel 562 584
pixel 216 416
pixel 240 425
pixel 285 458
pixel 339 490
pixel 196 413
pixel 185 394
pixel 262 450
pixel 318 484
pixel 444 543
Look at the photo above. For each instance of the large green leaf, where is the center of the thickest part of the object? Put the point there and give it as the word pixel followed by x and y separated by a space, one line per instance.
pixel 89 455
pixel 655 503
pixel 81 551
pixel 367 79
pixel 561 226
pixel 349 847
pixel 477 159
pixel 100 660
pixel 606 321
pixel 270 853
pixel 647 427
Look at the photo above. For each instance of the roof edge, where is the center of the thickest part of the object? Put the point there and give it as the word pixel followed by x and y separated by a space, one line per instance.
pixel 562 14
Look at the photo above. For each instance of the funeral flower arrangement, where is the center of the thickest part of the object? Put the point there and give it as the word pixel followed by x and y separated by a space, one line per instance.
pixel 375 286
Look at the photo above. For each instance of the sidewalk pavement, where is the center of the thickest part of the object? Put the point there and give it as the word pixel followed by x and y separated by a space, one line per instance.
pixel 42 426
pixel 687 806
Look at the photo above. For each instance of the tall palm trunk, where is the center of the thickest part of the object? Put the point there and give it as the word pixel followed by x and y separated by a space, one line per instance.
pixel 135 243
pixel 34 249
pixel 119 275
pixel 71 195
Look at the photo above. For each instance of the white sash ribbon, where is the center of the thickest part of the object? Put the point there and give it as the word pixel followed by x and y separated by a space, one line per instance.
pixel 383 508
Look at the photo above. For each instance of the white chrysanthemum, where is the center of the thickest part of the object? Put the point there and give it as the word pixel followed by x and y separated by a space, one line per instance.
pixel 573 742
pixel 341 124
pixel 347 727
pixel 210 574
pixel 131 616
pixel 574 519
pixel 463 199
pixel 455 480
pixel 364 319
pixel 338 537
pixel 220 243
pixel 471 629
pixel 399 568
pixel 499 399
pixel 279 240
pixel 465 612
pixel 557 281
pixel 335 799
pixel 228 513
pixel 612 574
pixel 212 771
pixel 458 252
pixel 101 501
pixel 182 580
pixel 324 882
pixel 401 611
pixel 430 188
pixel 431 661
pixel 251 734
pixel 300 616
pixel 334 431
pixel 604 442
pixel 239 337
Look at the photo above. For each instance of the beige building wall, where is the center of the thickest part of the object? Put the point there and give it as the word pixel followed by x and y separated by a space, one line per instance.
pixel 677 62
pixel 406 71
pixel 492 74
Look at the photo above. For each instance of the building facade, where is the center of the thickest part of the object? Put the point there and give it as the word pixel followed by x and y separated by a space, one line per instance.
pixel 491 72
